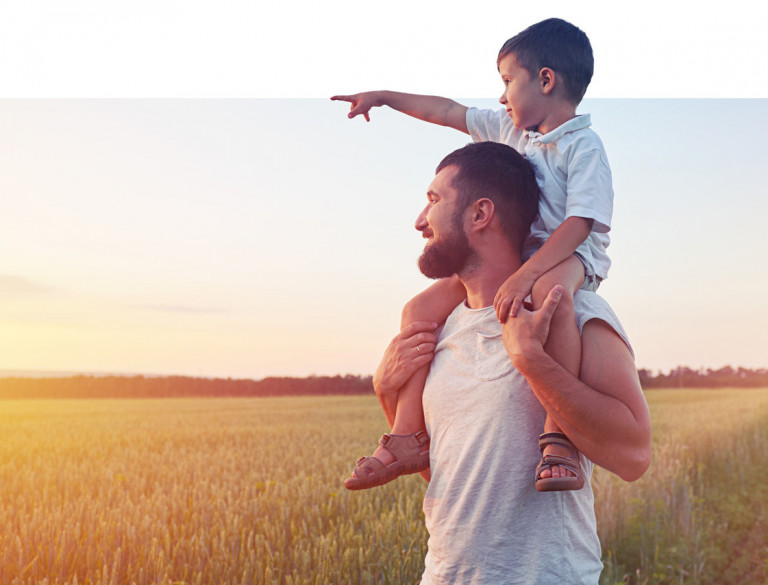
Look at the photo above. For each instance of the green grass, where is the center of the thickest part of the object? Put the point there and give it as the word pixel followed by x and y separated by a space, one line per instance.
pixel 221 491
pixel 700 513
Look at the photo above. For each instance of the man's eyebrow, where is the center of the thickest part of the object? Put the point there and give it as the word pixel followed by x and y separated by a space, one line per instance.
pixel 432 193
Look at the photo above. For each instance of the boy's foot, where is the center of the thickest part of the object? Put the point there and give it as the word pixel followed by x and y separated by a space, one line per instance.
pixel 397 455
pixel 558 452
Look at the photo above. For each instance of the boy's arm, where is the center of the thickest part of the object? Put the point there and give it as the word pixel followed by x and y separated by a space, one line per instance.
pixel 430 108
pixel 558 247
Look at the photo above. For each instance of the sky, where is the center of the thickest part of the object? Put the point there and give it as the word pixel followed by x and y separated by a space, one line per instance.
pixel 181 197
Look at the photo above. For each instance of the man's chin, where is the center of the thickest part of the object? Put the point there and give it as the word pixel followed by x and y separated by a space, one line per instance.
pixel 445 257
pixel 433 269
pixel 434 274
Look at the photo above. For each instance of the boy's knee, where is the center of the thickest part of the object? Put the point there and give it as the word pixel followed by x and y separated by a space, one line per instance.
pixel 541 289
pixel 413 311
pixel 406 316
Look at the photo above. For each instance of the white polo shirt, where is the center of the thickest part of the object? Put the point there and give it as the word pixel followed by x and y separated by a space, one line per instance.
pixel 573 175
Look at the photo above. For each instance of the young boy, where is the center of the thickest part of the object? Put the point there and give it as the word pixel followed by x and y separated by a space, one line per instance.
pixel 545 70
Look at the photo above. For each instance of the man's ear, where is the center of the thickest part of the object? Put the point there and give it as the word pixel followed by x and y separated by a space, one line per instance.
pixel 547 79
pixel 483 211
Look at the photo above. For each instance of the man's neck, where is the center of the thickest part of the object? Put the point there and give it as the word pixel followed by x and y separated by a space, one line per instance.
pixel 483 279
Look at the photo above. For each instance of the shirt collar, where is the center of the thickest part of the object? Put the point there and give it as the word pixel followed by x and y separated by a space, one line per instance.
pixel 577 123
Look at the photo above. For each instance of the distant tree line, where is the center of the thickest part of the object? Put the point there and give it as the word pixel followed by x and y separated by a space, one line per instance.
pixel 726 377
pixel 188 387
pixel 179 387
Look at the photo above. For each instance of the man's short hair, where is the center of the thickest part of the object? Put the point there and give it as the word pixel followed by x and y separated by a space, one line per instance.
pixel 556 44
pixel 498 172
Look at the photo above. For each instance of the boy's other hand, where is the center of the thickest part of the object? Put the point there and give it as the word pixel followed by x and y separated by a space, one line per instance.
pixel 360 103
pixel 510 296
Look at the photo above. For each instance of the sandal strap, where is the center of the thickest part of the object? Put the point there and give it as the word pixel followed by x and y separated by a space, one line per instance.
pixel 571 463
pixel 550 460
pixel 557 439
pixel 401 446
pixel 567 462
pixel 364 463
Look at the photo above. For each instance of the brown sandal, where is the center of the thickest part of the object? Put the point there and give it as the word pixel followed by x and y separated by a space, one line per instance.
pixel 411 453
pixel 572 464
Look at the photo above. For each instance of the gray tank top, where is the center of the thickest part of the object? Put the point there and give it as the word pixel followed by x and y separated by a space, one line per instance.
pixel 487 523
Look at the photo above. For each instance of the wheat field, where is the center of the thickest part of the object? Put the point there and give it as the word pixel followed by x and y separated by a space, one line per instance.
pixel 231 491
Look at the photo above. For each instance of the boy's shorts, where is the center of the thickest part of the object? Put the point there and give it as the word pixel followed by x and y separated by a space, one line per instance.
pixel 591 280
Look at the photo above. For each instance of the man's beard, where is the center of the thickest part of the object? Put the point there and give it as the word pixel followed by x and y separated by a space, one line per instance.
pixel 447 256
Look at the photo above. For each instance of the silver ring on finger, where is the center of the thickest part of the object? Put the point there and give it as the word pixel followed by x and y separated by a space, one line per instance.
pixel 418 349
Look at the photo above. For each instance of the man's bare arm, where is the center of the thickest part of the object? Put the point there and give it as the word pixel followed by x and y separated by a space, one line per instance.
pixel 432 109
pixel 604 413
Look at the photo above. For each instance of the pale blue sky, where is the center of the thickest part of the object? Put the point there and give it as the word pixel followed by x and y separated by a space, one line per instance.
pixel 253 237
pixel 256 237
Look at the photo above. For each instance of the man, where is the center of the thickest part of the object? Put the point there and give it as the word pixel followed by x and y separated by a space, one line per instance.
pixel 491 386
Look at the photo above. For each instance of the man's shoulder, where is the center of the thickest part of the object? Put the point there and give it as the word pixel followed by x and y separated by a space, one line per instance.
pixel 590 305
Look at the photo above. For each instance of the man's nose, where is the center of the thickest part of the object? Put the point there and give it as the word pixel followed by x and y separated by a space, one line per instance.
pixel 421 220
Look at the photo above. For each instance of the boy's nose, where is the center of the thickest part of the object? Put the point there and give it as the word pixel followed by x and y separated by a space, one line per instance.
pixel 503 98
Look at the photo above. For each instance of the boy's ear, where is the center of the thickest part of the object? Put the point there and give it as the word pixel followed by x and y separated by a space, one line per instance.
pixel 547 78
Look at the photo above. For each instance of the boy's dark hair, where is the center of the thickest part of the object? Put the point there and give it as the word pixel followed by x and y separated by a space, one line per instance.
pixel 556 44
pixel 500 173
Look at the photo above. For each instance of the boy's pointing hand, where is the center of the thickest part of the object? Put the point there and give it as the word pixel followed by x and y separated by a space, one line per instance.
pixel 360 103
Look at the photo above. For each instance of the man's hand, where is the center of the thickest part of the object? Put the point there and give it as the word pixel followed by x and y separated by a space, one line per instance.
pixel 410 349
pixel 524 335
pixel 360 103
pixel 603 412
pixel 511 294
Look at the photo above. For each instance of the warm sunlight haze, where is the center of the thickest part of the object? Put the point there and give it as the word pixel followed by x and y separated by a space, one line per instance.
pixel 201 237
pixel 252 237
pixel 203 259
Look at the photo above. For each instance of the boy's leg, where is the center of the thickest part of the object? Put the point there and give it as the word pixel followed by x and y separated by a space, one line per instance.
pixel 563 343
pixel 434 304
